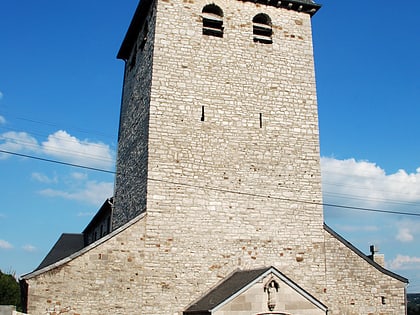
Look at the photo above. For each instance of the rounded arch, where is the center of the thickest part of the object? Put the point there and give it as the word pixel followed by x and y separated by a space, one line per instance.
pixel 213 9
pixel 212 20
pixel 262 28
pixel 262 18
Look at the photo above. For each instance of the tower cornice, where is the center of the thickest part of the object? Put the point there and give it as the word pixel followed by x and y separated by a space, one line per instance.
pixel 305 6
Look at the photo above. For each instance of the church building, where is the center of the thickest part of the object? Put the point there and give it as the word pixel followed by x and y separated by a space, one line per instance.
pixel 217 207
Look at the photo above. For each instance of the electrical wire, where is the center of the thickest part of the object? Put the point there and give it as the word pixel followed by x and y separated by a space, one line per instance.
pixel 57 162
pixel 390 201
pixel 51 124
pixel 337 195
pixel 220 189
pixel 37 146
pixel 324 182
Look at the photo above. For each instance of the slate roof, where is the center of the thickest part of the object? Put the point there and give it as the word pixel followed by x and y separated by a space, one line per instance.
pixel 227 288
pixel 66 245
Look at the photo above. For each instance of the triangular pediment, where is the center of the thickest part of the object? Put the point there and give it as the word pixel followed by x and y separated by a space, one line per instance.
pixel 257 292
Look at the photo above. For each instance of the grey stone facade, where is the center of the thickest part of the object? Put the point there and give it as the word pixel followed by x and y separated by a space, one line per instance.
pixel 133 135
pixel 218 170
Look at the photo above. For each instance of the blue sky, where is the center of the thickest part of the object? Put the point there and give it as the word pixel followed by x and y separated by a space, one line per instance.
pixel 60 92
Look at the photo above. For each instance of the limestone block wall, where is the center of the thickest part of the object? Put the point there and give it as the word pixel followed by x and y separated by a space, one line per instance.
pixel 104 279
pixel 254 301
pixel 227 189
pixel 109 277
pixel 356 287
pixel 188 253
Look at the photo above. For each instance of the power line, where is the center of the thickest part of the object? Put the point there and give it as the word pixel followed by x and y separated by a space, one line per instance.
pixel 51 124
pixel 57 162
pixel 382 200
pixel 293 200
pixel 324 182
pixel 219 189
pixel 35 145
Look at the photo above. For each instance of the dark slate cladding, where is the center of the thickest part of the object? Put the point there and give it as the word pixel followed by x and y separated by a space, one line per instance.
pixel 100 225
pixel 66 245
pixel 130 195
pixel 363 256
pixel 306 6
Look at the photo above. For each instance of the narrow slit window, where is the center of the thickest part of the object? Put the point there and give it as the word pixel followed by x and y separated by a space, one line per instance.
pixel 212 20
pixel 202 113
pixel 262 29
pixel 261 121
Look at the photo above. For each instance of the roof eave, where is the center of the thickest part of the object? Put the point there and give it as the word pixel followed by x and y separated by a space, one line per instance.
pixel 308 7
pixel 363 256
pixel 131 36
pixel 83 250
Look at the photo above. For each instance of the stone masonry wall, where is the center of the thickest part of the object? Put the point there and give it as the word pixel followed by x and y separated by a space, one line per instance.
pixel 254 301
pixel 226 192
pixel 109 278
pixel 106 279
pixel 356 287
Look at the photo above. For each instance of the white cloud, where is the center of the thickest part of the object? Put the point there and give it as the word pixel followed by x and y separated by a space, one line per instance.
pixel 407 230
pixel 19 142
pixel 60 145
pixel 365 184
pixel 5 245
pixel 402 262
pixel 92 192
pixel 70 149
pixel 1 95
pixel 42 178
pixel 2 120
pixel 404 235
pixel 29 248
pixel 79 176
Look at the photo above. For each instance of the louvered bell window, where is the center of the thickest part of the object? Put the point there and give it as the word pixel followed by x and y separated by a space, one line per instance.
pixel 212 20
pixel 262 29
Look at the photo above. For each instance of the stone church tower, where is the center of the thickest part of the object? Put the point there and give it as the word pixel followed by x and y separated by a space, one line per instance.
pixel 218 203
